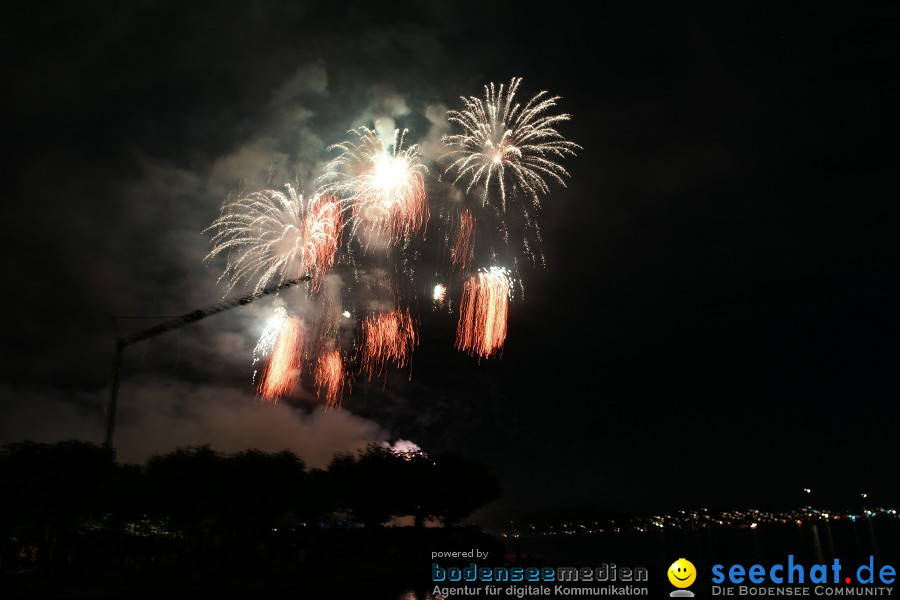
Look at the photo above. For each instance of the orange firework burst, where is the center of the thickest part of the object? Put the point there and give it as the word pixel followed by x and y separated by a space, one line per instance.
pixel 322 227
pixel 388 336
pixel 461 251
pixel 392 198
pixel 481 329
pixel 283 370
pixel 330 377
pixel 382 181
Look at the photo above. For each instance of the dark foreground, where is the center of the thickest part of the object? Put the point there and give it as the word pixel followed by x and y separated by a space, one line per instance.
pixel 395 562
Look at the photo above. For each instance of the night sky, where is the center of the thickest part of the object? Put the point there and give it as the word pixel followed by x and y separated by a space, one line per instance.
pixel 716 324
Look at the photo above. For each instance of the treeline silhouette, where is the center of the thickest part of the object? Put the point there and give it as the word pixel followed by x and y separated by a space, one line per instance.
pixel 69 511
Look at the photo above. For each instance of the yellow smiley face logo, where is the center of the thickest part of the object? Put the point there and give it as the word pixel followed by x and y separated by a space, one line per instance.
pixel 682 573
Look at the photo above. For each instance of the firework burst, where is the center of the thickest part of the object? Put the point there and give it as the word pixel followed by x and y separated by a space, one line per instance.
pixel 330 378
pixel 506 144
pixel 439 294
pixel 506 150
pixel 387 337
pixel 268 235
pixel 384 184
pixel 481 329
pixel 282 372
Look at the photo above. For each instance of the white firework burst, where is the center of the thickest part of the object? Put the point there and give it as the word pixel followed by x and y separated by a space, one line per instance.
pixel 383 183
pixel 268 235
pixel 507 144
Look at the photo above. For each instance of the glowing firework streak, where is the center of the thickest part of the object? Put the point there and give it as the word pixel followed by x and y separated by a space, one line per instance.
pixel 386 188
pixel 504 141
pixel 330 378
pixel 481 329
pixel 327 323
pixel 463 242
pixel 322 227
pixel 388 336
pixel 269 336
pixel 283 370
pixel 269 234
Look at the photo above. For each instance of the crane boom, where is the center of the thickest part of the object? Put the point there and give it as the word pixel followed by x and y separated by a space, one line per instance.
pixel 123 342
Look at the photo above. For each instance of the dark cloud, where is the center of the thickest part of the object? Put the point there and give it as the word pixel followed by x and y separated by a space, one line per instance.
pixel 157 416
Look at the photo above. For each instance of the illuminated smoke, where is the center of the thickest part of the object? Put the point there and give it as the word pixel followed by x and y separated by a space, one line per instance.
pixel 387 337
pixel 282 372
pixel 481 329
pixel 330 378
pixel 404 448
pixel 383 182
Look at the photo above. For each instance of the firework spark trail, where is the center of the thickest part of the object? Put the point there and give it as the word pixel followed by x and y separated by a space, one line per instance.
pixel 269 234
pixel 386 188
pixel 501 138
pixel 322 228
pixel 327 323
pixel 463 242
pixel 387 336
pixel 481 329
pixel 268 338
pixel 330 378
pixel 282 373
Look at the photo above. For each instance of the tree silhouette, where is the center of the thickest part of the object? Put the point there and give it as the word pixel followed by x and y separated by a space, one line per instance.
pixel 262 487
pixel 51 488
pixel 368 486
pixel 199 488
pixel 189 486
pixel 72 500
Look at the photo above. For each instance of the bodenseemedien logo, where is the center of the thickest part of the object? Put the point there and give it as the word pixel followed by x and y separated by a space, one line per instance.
pixel 682 574
pixel 542 582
